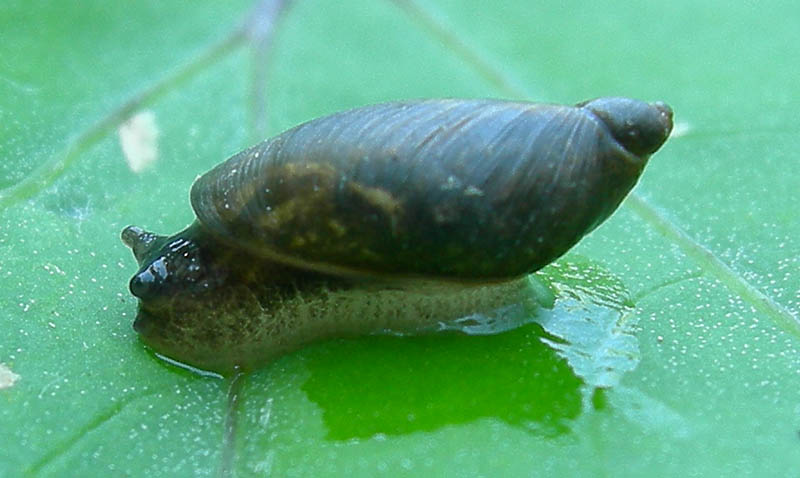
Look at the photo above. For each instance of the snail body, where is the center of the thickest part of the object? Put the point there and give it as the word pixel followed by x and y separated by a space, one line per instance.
pixel 389 216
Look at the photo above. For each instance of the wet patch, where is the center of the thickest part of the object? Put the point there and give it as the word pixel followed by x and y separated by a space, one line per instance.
pixel 537 369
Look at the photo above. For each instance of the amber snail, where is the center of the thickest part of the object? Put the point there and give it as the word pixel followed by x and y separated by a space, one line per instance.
pixel 383 217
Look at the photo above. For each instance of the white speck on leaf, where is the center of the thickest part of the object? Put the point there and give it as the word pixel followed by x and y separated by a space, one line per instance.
pixel 681 128
pixel 138 137
pixel 7 377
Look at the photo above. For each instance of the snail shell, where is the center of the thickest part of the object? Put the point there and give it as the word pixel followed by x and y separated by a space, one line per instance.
pixel 386 216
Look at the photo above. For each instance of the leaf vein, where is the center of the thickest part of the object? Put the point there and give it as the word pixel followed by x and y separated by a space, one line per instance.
pixel 507 84
pixel 70 442
pixel 52 169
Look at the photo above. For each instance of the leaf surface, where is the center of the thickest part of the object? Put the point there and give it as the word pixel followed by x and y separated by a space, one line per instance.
pixel 690 366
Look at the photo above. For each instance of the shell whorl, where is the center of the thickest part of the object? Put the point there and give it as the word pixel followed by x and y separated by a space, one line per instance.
pixel 459 189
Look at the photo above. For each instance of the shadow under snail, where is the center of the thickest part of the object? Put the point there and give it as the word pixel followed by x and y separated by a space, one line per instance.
pixel 391 216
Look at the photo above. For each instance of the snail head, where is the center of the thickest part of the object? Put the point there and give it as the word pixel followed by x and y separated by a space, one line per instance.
pixel 173 284
pixel 169 266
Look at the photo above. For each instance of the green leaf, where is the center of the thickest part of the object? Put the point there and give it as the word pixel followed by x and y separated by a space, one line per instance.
pixel 672 345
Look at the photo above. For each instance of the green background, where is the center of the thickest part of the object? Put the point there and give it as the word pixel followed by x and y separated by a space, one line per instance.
pixel 696 357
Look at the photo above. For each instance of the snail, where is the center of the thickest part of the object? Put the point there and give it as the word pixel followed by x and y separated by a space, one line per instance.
pixel 390 216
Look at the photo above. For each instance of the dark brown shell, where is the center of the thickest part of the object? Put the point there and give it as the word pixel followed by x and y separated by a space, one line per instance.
pixel 454 189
